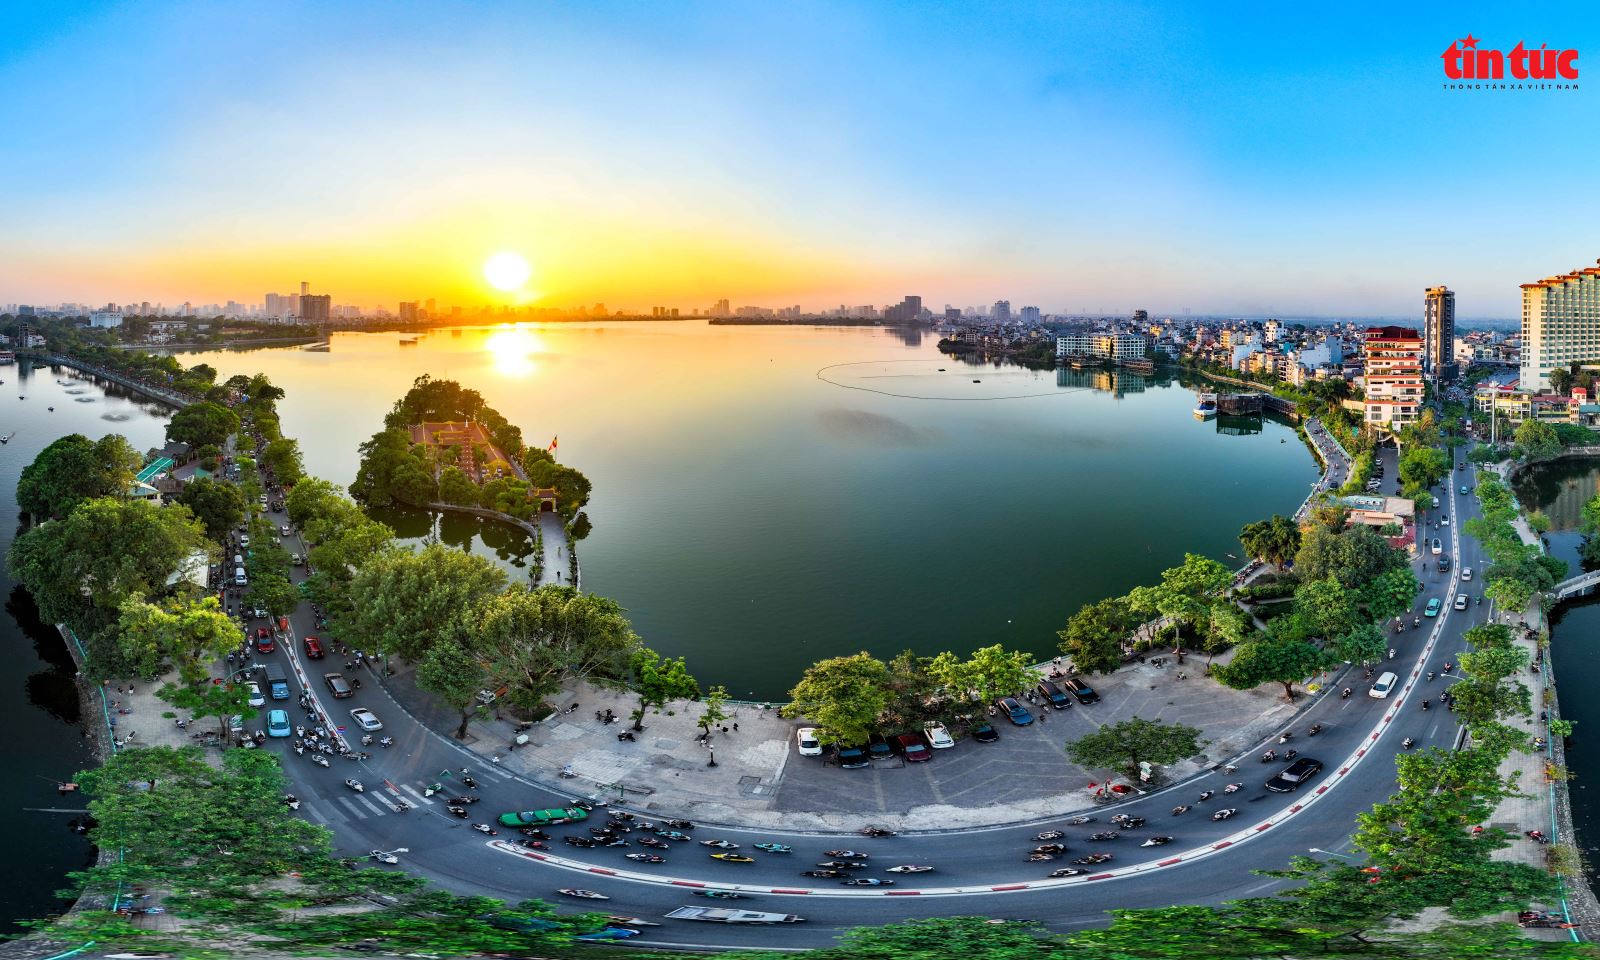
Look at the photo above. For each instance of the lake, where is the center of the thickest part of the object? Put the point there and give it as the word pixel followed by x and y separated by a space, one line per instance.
pixel 44 741
pixel 768 496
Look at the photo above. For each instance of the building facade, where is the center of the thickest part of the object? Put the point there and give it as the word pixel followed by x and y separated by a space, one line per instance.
pixel 1114 346
pixel 105 319
pixel 1560 324
pixel 1439 333
pixel 315 307
pixel 1393 376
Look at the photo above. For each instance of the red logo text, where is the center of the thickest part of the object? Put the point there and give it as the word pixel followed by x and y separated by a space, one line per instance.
pixel 1464 61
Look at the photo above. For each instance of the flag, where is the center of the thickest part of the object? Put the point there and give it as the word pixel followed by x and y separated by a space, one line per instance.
pixel 552 447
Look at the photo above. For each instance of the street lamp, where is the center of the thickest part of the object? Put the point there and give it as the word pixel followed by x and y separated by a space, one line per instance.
pixel 1330 853
pixel 713 761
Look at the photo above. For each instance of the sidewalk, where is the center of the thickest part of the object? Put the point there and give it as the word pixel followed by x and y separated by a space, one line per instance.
pixel 1543 805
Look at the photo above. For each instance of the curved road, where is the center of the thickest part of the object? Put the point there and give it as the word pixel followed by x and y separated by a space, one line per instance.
pixel 978 871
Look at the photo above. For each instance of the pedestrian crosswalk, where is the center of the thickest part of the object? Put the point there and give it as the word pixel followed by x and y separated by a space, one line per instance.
pixel 382 802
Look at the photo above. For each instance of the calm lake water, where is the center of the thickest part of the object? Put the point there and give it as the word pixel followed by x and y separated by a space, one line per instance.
pixel 43 740
pixel 767 496
pixel 1561 489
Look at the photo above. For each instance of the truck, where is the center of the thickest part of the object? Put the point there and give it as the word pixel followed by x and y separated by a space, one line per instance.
pixel 277 682
pixel 723 915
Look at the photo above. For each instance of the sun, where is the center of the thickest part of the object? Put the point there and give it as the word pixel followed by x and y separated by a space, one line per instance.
pixel 507 271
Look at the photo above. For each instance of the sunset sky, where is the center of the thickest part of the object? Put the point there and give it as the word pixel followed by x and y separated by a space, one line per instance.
pixel 1100 156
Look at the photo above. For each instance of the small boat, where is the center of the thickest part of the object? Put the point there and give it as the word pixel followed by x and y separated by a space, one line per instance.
pixel 51 409
pixel 7 437
pixel 1206 406
pixel 977 381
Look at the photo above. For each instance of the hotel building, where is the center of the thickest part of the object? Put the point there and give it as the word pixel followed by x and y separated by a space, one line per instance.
pixel 1560 324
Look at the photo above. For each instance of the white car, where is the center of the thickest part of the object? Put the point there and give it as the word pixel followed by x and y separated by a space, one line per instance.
pixel 1381 689
pixel 256 698
pixel 1466 573
pixel 1461 601
pixel 806 739
pixel 938 737
pixel 1437 546
pixel 366 719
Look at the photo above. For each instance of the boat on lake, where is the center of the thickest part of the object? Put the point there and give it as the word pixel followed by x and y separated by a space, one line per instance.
pixel 1206 407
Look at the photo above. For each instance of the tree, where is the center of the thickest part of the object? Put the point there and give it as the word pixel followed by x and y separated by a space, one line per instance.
pixel 1538 522
pixel 1093 636
pixel 1273 540
pixel 1224 626
pixel 217 504
pixel 1124 745
pixel 843 695
pixel 187 634
pixel 716 698
pixel 455 676
pixel 1536 440
pixel 1266 660
pixel 456 487
pixel 1184 592
pixel 990 673
pixel 659 680
pixel 1327 606
pixel 80 569
pixel 73 469
pixel 282 457
pixel 914 690
pixel 403 602
pixel 1423 466
pixel 535 641
pixel 1353 556
pixel 1390 593
pixel 1560 380
pixel 220 700
pixel 1364 644
pixel 202 423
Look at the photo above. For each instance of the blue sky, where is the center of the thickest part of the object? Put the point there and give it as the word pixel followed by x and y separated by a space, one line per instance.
pixel 1075 155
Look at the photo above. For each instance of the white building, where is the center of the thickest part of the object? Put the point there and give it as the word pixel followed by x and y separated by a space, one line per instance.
pixel 1115 346
pixel 106 319
pixel 1560 324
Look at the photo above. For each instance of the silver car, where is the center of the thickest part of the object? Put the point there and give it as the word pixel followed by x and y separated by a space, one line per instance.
pixel 366 719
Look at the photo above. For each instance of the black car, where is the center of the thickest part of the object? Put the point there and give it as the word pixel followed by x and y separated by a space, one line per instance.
pixel 878 748
pixel 1081 690
pixel 984 733
pixel 1015 711
pixel 1290 778
pixel 852 758
pixel 1053 695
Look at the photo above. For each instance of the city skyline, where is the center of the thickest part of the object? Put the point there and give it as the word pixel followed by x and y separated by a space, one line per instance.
pixel 1092 159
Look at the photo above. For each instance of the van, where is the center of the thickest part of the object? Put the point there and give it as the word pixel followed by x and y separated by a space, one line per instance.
pixel 1053 695
pixel 238 576
pixel 277 682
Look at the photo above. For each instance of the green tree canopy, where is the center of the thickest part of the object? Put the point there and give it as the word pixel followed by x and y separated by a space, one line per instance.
pixel 1274 540
pixel 451 673
pixel 403 602
pixel 843 696
pixel 216 503
pixel 1125 744
pixel 535 640
pixel 659 680
pixel 1537 440
pixel 1093 636
pixel 1264 659
pixel 73 469
pixel 202 423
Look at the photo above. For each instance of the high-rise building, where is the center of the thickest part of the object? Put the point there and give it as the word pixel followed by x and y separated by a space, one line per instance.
pixel 408 311
pixel 1030 314
pixel 316 307
pixel 1439 333
pixel 1001 312
pixel 1560 324
pixel 305 287
pixel 906 311
pixel 1141 317
pixel 105 319
pixel 1393 375
pixel 720 309
pixel 275 306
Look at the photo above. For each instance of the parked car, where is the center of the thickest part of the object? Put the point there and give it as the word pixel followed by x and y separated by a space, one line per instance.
pixel 284 530
pixel 938 736
pixel 1383 687
pixel 1015 711
pixel 366 719
pixel 543 818
pixel 913 747
pixel 1432 609
pixel 851 758
pixel 338 685
pixel 1290 778
pixel 1081 690
pixel 278 723
pixel 985 733
pixel 806 739
pixel 314 649
pixel 878 747
pixel 1053 695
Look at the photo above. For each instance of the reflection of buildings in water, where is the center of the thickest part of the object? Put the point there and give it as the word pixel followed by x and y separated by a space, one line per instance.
pixel 1235 426
pixel 910 336
pixel 1107 380
pixel 1566 509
